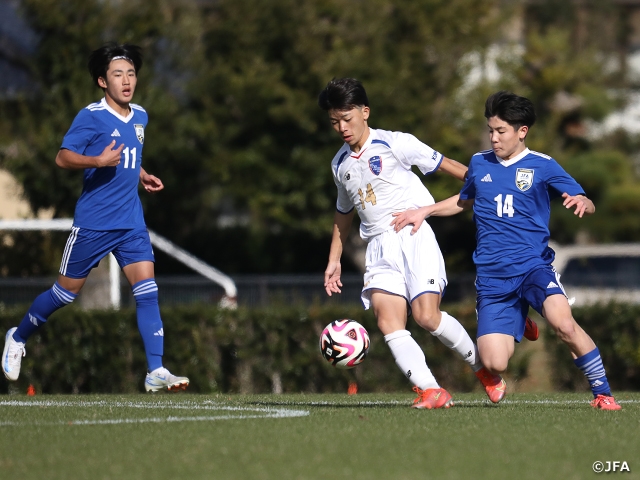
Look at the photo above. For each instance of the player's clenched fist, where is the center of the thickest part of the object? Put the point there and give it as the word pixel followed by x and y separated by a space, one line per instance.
pixel 110 156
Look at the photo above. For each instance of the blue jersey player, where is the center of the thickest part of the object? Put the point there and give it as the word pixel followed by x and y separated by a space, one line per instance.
pixel 510 188
pixel 404 273
pixel 106 140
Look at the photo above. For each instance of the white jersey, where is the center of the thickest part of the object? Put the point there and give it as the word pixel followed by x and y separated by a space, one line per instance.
pixel 378 180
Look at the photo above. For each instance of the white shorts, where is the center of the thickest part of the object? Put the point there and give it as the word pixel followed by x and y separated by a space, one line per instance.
pixel 404 264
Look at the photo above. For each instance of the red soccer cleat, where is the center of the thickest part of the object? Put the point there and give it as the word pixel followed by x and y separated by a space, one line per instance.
pixel 432 398
pixel 494 385
pixel 531 332
pixel 605 402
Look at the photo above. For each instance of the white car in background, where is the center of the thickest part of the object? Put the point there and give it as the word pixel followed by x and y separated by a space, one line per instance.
pixel 599 273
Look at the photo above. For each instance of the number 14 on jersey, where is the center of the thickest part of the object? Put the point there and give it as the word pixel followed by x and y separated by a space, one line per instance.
pixel 505 208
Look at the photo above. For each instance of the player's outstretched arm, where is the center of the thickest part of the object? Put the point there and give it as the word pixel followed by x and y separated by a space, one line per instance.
pixel 582 204
pixel 151 183
pixel 445 208
pixel 110 157
pixel 341 226
pixel 453 168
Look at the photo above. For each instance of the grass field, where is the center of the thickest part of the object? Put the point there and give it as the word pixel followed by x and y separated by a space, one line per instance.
pixel 363 436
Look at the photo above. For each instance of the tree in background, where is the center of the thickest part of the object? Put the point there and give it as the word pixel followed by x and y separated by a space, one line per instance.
pixel 236 135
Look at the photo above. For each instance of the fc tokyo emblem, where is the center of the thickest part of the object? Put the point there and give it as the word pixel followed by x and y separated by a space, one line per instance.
pixel 139 132
pixel 375 165
pixel 524 178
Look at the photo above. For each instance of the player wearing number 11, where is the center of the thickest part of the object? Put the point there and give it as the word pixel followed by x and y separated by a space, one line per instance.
pixel 509 188
pixel 105 140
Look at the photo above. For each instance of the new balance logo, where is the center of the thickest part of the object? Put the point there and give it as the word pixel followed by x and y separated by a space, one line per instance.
pixel 486 178
pixel 33 320
pixel 159 333
pixel 115 133
pixel 552 285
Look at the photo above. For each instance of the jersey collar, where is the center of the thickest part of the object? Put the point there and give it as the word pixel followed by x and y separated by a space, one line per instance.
pixel 116 114
pixel 511 161
pixel 364 147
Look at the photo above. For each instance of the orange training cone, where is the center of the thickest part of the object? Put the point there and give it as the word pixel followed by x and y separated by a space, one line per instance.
pixel 31 391
pixel 353 388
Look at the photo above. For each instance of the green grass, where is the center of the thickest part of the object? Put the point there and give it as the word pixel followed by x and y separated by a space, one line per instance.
pixel 364 436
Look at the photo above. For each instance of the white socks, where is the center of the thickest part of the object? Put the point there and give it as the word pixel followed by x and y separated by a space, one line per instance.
pixel 453 335
pixel 410 358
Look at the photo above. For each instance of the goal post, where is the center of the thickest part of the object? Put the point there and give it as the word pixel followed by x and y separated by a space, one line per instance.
pixel 229 300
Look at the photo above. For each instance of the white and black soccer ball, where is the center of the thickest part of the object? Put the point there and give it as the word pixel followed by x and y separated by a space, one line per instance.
pixel 344 343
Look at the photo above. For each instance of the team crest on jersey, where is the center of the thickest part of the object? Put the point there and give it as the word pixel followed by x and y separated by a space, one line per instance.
pixel 139 132
pixel 524 178
pixel 375 165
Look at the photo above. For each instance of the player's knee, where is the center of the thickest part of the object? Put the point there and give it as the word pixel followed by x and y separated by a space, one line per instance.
pixel 494 360
pixel 566 329
pixel 145 292
pixel 428 319
pixel 496 365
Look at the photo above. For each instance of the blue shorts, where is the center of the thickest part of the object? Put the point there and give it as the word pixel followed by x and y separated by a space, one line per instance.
pixel 503 303
pixel 85 248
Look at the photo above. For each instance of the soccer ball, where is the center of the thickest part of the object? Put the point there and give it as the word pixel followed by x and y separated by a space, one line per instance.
pixel 344 343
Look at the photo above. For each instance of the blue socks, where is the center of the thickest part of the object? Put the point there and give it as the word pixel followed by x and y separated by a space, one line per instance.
pixel 42 307
pixel 145 293
pixel 147 310
pixel 591 366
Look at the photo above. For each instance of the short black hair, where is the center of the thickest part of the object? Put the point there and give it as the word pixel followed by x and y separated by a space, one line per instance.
pixel 100 58
pixel 343 94
pixel 515 110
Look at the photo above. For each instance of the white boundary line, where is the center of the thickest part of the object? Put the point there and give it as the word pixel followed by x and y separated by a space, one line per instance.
pixel 457 402
pixel 208 405
pixel 264 412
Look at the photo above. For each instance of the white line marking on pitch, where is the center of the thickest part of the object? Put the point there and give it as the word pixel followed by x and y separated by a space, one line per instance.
pixel 263 412
pixel 457 402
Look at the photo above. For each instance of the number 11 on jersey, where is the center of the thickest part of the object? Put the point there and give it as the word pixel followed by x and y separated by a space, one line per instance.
pixel 507 207
pixel 126 157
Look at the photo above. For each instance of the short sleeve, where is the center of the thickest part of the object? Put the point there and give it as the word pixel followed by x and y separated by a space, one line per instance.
pixel 80 134
pixel 559 181
pixel 411 151
pixel 343 204
pixel 468 191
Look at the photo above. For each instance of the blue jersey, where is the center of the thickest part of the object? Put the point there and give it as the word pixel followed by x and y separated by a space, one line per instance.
pixel 511 210
pixel 109 198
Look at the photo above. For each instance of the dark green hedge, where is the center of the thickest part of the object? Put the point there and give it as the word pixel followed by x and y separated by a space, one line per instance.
pixel 251 350
pixel 247 350
pixel 615 329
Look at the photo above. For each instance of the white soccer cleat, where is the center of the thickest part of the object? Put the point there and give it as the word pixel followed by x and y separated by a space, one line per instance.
pixel 12 355
pixel 162 379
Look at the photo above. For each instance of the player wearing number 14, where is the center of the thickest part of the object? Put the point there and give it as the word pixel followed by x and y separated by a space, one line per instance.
pixel 509 188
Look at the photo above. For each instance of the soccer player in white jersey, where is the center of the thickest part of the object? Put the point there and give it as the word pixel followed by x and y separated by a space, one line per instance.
pixel 105 140
pixel 373 174
pixel 509 188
